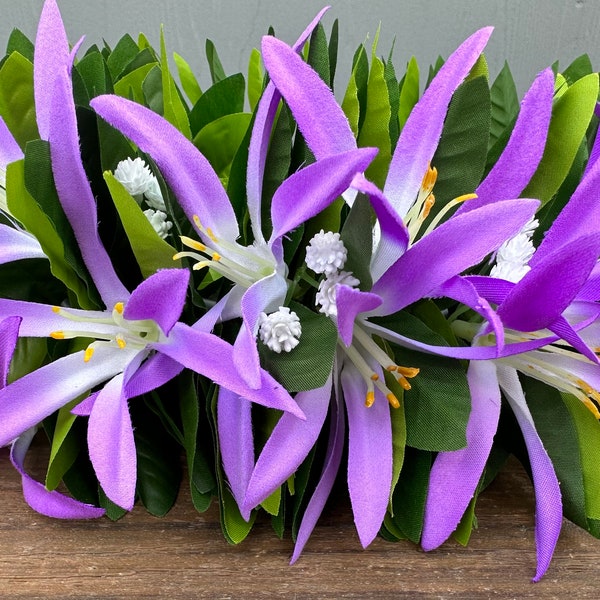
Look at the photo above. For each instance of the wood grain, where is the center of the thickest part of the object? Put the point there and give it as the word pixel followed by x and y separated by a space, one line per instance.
pixel 185 556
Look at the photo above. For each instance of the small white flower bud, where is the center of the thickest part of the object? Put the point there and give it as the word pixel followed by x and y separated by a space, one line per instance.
pixel 154 197
pixel 326 253
pixel 281 330
pixel 135 176
pixel 326 295
pixel 158 220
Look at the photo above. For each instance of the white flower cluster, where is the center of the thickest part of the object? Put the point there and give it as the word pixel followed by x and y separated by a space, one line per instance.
pixel 514 255
pixel 327 254
pixel 281 330
pixel 137 178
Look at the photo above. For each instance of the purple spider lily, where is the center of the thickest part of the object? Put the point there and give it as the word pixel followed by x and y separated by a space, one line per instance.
pixel 139 345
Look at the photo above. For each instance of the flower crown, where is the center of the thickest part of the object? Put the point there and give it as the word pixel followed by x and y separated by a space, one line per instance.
pixel 400 289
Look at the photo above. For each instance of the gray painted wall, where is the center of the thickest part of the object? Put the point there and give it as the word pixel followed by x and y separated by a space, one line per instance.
pixel 529 34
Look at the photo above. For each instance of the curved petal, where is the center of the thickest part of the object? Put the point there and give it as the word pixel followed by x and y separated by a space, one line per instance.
pixel 562 328
pixel 548 501
pixel 320 119
pixel 333 458
pixel 111 444
pixel 30 399
pixel 49 503
pixel 550 286
pixel 236 443
pixel 428 264
pixel 369 472
pixel 288 445
pixel 51 54
pixel 195 183
pixel 261 135
pixel 266 295
pixel 161 298
pixel 9 333
pixel 491 288
pixel 74 190
pixel 421 133
pixel 212 357
pixel 16 245
pixel 350 303
pixel 308 191
pixel 455 475
pixel 523 152
pixel 9 149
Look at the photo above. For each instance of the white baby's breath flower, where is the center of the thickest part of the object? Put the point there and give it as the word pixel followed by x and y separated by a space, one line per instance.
pixel 158 220
pixel 135 176
pixel 281 330
pixel 153 195
pixel 326 295
pixel 326 253
pixel 514 255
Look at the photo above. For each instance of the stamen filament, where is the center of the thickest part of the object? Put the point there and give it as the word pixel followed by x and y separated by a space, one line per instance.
pixel 447 208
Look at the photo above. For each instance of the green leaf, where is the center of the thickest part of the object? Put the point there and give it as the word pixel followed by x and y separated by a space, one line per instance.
pixel 579 68
pixel 122 54
pixel 174 110
pixel 479 69
pixel 375 130
pixel 398 433
pixel 223 98
pixel 409 94
pixel 25 208
pixel 461 153
pixel 219 141
pixel 588 432
pixel 333 51
pixel 94 72
pixel 394 94
pixel 272 504
pixel 150 250
pixel 131 85
pixel 17 106
pixel 464 529
pixel 505 104
pixel 64 449
pixel 556 428
pixel 318 54
pixel 355 97
pixel 188 80
pixel 19 42
pixel 153 90
pixel 236 529
pixel 217 72
pixel 113 512
pixel 255 79
pixel 571 116
pixel 357 235
pixel 309 364
pixel 28 356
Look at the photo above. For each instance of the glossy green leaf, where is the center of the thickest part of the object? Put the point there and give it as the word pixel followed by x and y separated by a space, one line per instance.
pixel 579 68
pixel 131 85
pixel 94 72
pixel 398 433
pixel 19 42
pixel 309 364
pixel 393 88
pixel 409 93
pixel 318 53
pixel 122 54
pixel 504 105
pixel 219 141
pixel 16 98
pixel 150 250
pixel 333 51
pixel 272 504
pixel 255 78
pixel 217 72
pixel 479 69
pixel 354 98
pixel 188 80
pixel 464 529
pixel 64 448
pixel 571 116
pixel 29 355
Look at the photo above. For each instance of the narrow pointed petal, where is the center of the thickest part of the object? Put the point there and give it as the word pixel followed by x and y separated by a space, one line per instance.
pixel 333 458
pixel 312 189
pixel 578 218
pixel 16 245
pixel 74 190
pixel 393 235
pixel 49 503
pixel 492 289
pixel 84 408
pixel 562 328
pixel 266 295
pixel 29 400
pixel 51 55
pixel 320 119
pixel 550 286
pixel 288 445
pixel 421 133
pixel 523 152
pixel 160 297
pixel 212 357
pixel 350 303
pixel 369 472
pixel 236 443
pixel 429 263
pixel 455 475
pixel 9 333
pixel 111 444
pixel 548 502
pixel 9 149
pixel 195 183
pixel 261 135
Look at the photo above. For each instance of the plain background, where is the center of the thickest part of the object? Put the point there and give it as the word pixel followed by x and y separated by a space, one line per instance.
pixel 529 34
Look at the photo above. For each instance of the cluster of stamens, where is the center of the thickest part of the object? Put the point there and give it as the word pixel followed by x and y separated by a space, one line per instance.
pixel 220 255
pixel 113 330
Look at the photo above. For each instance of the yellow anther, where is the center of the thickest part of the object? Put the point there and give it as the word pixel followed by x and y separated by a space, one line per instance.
pixel 57 335
pixel 374 377
pixel 465 197
pixel 88 354
pixel 408 371
pixel 429 179
pixel 56 309
pixel 403 382
pixel 370 399
pixel 216 257
pixel 393 401
pixel 197 222
pixel 121 342
pixel 193 243
pixel 211 235
pixel 428 205
pixel 119 307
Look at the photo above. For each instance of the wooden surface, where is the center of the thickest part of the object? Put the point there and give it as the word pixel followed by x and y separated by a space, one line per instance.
pixel 184 556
